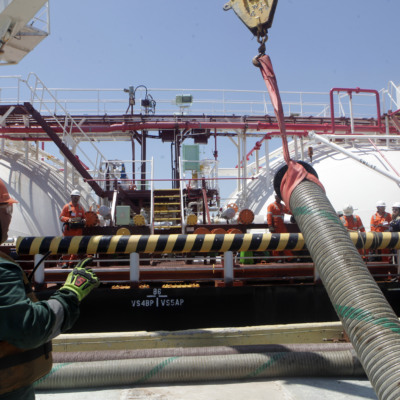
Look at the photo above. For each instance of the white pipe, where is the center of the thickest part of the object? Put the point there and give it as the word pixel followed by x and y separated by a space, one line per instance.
pixel 361 136
pixel 244 154
pixel 296 150
pixel 39 273
pixel 312 135
pixel 134 267
pixel 351 114
pixel 152 197
pixel 114 207
pixel 228 267
pixel 302 148
pixel 267 168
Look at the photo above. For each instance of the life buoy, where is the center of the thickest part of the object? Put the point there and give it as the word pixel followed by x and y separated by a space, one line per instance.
pixel 234 206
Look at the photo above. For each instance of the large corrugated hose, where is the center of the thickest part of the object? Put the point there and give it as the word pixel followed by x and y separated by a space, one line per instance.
pixel 368 319
pixel 200 369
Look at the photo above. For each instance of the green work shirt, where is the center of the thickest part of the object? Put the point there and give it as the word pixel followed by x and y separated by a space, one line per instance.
pixel 27 324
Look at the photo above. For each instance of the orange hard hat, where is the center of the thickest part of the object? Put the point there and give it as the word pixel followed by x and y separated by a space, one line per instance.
pixel 4 195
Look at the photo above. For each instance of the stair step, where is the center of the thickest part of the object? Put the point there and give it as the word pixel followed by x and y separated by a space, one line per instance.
pixel 167 196
pixel 166 204
pixel 167 219
pixel 166 190
pixel 166 211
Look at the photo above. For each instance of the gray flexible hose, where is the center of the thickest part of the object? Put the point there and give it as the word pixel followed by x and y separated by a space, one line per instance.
pixel 200 368
pixel 368 319
pixel 103 355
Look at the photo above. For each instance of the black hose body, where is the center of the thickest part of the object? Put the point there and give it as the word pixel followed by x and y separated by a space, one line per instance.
pixel 368 319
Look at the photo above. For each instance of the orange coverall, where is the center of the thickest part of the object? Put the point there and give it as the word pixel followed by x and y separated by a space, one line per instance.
pixel 353 223
pixel 70 211
pixel 275 216
pixel 377 221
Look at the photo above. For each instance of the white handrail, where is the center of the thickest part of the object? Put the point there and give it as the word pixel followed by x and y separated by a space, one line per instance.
pixel 38 91
pixel 312 135
pixel 181 194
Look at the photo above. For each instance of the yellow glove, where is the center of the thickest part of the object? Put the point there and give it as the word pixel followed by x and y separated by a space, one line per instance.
pixel 81 280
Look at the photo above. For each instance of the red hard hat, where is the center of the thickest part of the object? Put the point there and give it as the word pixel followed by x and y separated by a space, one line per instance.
pixel 4 195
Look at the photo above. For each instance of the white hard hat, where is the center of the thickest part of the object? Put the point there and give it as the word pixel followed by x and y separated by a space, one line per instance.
pixel 348 210
pixel 104 211
pixel 380 203
pixel 76 193
pixel 396 205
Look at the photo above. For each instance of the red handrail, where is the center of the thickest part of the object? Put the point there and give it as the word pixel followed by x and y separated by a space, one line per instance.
pixel 350 91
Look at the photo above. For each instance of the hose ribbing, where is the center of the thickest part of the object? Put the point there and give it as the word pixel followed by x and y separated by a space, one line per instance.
pixel 200 368
pixel 368 319
pixel 103 355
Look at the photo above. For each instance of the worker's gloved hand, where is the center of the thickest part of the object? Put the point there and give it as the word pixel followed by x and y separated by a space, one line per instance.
pixel 271 229
pixel 81 280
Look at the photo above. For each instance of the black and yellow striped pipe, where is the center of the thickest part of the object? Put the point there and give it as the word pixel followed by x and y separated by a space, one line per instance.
pixel 187 243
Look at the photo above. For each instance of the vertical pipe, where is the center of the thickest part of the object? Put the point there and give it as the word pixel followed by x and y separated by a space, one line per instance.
pixel 134 267
pixel 351 114
pixel 228 268
pixel 39 273
pixel 244 152
pixel 267 168
pixel 239 182
pixel 301 148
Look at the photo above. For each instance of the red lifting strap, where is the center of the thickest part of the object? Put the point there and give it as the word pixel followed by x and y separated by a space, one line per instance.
pixel 296 172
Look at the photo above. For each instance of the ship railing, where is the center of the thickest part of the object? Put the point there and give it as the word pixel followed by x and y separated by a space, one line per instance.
pixel 393 94
pixel 126 174
pixel 108 101
pixel 228 268
pixel 41 97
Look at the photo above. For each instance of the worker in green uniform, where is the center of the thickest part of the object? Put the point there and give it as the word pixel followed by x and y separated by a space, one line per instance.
pixel 27 325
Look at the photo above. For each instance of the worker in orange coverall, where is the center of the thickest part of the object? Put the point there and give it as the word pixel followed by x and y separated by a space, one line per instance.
pixel 73 218
pixel 380 222
pixel 352 222
pixel 275 220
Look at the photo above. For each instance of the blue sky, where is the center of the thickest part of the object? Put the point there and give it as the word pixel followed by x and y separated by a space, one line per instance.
pixel 314 45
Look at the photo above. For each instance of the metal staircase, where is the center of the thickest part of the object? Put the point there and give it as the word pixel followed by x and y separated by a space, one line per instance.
pixel 69 140
pixel 395 119
pixel 167 211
